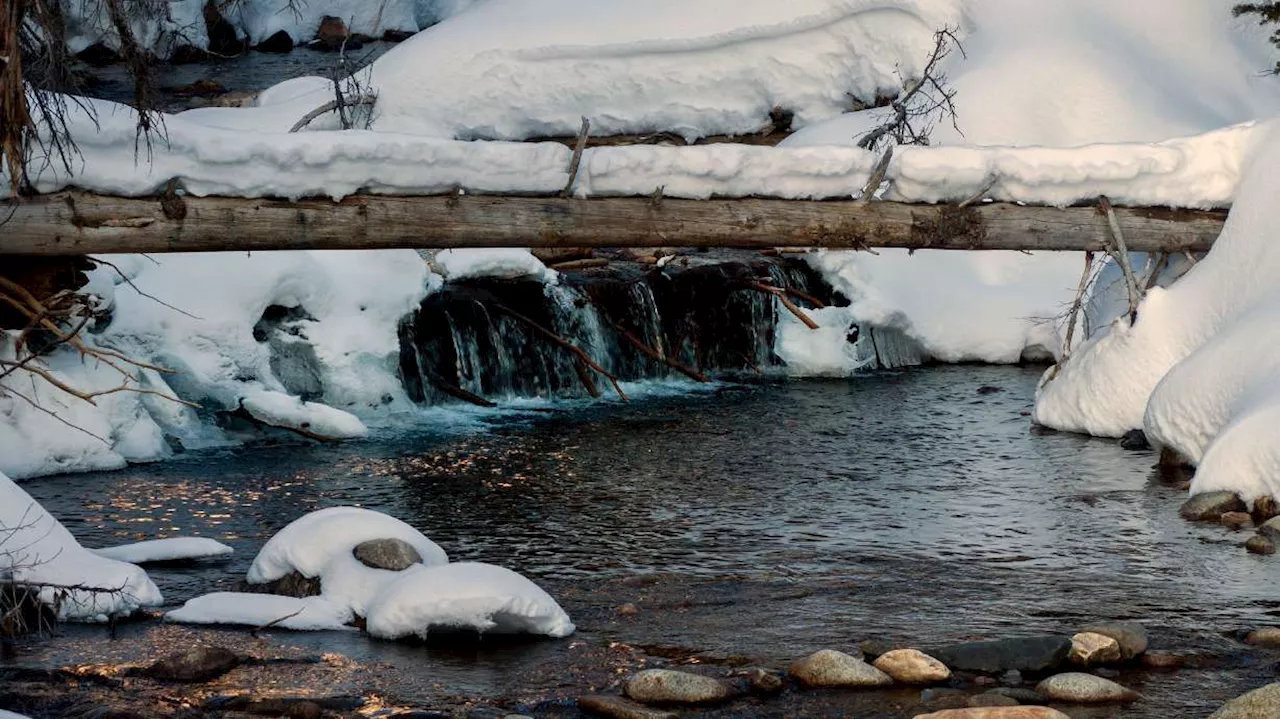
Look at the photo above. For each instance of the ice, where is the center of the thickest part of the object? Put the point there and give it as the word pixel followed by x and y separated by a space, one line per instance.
pixel 465 595
pixel 37 550
pixel 166 550
pixel 259 610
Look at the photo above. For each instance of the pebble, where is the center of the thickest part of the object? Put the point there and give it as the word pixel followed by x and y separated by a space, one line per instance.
pixel 829 668
pixel 1265 637
pixel 628 610
pixel 911 666
pixel 1135 440
pixel 1092 648
pixel 1131 636
pixel 1260 544
pixel 1079 688
pixel 1210 506
pixel 1236 520
pixel 666 686
pixel 1261 703
pixel 619 708
pixel 997 713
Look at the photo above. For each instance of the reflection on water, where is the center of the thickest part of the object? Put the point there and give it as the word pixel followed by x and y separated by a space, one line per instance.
pixel 769 520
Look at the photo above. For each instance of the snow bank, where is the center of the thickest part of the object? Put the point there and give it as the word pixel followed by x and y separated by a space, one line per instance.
pixel 36 549
pixel 260 19
pixel 258 610
pixel 1198 370
pixel 180 22
pixel 166 550
pixel 466 595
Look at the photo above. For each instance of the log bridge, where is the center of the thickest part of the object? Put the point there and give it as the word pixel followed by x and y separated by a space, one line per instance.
pixel 80 223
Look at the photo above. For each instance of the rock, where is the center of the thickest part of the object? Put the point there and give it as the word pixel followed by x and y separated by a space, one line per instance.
pixel 1236 520
pixel 332 34
pixel 1265 637
pixel 875 647
pixel 1163 660
pixel 993 700
pixel 1259 544
pixel 1131 636
pixel 395 555
pixel 665 686
pixel 981 681
pixel 1090 648
pixel 1261 703
pixel 1030 654
pixel 997 713
pixel 628 610
pixel 292 584
pixel 911 666
pixel 1024 696
pixel 1135 440
pixel 280 42
pixel 396 35
pixel 829 668
pixel 1079 688
pixel 1265 508
pixel 989 390
pixel 1011 678
pixel 944 698
pixel 1210 506
pixel 762 681
pixel 201 664
pixel 619 708
pixel 1270 529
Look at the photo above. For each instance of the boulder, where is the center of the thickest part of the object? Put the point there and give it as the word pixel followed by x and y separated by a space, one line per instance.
pixel 1265 637
pixel 665 686
pixel 394 555
pixel 1135 440
pixel 1131 636
pixel 1265 508
pixel 1029 654
pixel 1261 703
pixel 1210 506
pixel 1091 648
pixel 1080 688
pixel 1236 520
pixel 280 42
pixel 1260 544
pixel 911 666
pixel 619 708
pixel 1270 529
pixel 996 713
pixel 201 664
pixel 829 668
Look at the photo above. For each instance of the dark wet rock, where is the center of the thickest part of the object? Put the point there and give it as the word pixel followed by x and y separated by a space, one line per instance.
pixel 1080 688
pixel 1023 696
pixel 1264 637
pixel 944 698
pixel 1163 660
pixel 188 54
pixel 989 390
pixel 762 681
pixel 292 584
pixel 911 666
pixel 280 42
pixel 873 648
pixel 1089 648
pixel 829 668
pixel 1029 654
pixel 333 35
pixel 1265 508
pixel 993 700
pixel 666 686
pixel 1261 703
pixel 98 55
pixel 201 664
pixel 224 39
pixel 1135 440
pixel 395 555
pixel 1260 544
pixel 1236 520
pixel 1012 678
pixel 984 681
pixel 619 708
pixel 1131 636
pixel 1210 506
pixel 1270 529
pixel 396 35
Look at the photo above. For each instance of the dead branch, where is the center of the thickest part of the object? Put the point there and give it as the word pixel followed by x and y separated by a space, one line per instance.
pixel 657 356
pixel 877 176
pixel 331 106
pixel 921 100
pixel 565 343
pixel 1076 306
pixel 575 163
pixel 254 632
pixel 1119 251
pixel 786 302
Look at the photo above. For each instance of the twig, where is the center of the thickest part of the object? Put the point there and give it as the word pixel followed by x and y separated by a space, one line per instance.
pixel 135 288
pixel 657 356
pixel 781 295
pixel 566 344
pixel 1120 252
pixel 877 176
pixel 576 161
pixel 330 107
pixel 977 196
pixel 254 633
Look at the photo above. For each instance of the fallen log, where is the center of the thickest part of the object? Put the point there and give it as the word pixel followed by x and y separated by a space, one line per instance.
pixel 80 223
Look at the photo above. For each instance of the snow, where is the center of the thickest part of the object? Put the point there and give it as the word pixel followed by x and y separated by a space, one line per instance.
pixel 465 595
pixel 498 262
pixel 1198 370
pixel 181 23
pixel 10 715
pixel 36 549
pixel 320 545
pixel 258 610
pixel 260 19
pixel 166 550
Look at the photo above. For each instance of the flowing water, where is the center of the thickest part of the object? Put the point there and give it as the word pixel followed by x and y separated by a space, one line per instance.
pixel 761 521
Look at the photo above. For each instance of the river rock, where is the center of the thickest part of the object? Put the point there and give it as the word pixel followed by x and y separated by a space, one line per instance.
pixel 993 700
pixel 911 666
pixel 996 713
pixel 1131 636
pixel 1265 508
pixel 1260 544
pixel 874 648
pixel 666 686
pixel 1080 688
pixel 1261 703
pixel 1023 696
pixel 332 34
pixel 619 708
pixel 394 555
pixel 1236 520
pixel 761 681
pixel 944 698
pixel 201 664
pixel 1265 637
pixel 1029 654
pixel 1135 440
pixel 292 584
pixel 1011 678
pixel 1090 648
pixel 1270 529
pixel 1163 660
pixel 829 668
pixel 1210 506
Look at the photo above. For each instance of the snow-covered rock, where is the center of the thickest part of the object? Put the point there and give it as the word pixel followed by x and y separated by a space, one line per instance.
pixel 166 550
pixel 259 610
pixel 36 549
pixel 465 595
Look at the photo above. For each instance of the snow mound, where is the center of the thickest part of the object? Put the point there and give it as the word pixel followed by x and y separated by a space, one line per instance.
pixel 1198 370
pixel 36 549
pixel 465 595
pixel 257 610
pixel 166 550
pixel 498 262
pixel 320 545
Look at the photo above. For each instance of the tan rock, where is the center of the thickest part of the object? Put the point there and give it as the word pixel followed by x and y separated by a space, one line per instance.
pixel 1080 688
pixel 911 666
pixel 1259 544
pixel 996 713
pixel 1265 637
pixel 1236 520
pixel 1261 703
pixel 1091 648
pixel 665 686
pixel 993 700
pixel 829 668
pixel 619 708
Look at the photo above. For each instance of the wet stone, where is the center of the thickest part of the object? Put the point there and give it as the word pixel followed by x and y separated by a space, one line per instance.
pixel 993 700
pixel 1030 654
pixel 829 668
pixel 1079 688
pixel 1163 660
pixel 665 686
pixel 1270 529
pixel 292 584
pixel 762 681
pixel 619 708
pixel 1023 696
pixel 1210 506
pixel 1236 520
pixel 394 555
pixel 628 610
pixel 1135 440
pixel 1265 508
pixel 1264 637
pixel 1012 678
pixel 195 665
pixel 944 698
pixel 1261 703
pixel 1259 544
pixel 1131 636
pixel 911 666
pixel 1091 648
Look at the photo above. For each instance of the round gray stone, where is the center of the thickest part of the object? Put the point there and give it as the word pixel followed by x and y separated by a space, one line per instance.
pixel 395 555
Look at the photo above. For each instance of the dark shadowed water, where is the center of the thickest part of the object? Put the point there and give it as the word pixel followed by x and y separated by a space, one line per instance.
pixel 764 521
